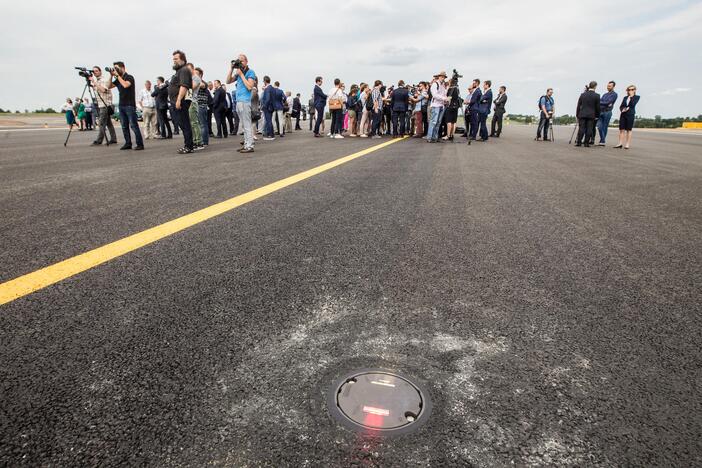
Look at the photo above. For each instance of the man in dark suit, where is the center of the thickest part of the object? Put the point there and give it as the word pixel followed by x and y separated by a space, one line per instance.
pixel 229 111
pixel 587 112
pixel 320 100
pixel 484 106
pixel 496 127
pixel 161 95
pixel 296 110
pixel 473 106
pixel 210 88
pixel 278 101
pixel 267 108
pixel 399 101
pixel 219 104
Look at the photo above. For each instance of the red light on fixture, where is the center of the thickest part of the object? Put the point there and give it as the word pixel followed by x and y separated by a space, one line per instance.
pixel 378 411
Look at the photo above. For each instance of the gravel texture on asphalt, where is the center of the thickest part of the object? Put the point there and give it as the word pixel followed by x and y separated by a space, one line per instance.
pixel 547 297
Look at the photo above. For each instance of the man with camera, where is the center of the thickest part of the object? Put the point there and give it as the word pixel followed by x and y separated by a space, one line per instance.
pixel 245 78
pixel 547 109
pixel 124 82
pixel 180 85
pixel 102 84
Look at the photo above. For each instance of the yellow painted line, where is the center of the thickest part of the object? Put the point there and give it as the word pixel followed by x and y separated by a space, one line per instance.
pixel 27 284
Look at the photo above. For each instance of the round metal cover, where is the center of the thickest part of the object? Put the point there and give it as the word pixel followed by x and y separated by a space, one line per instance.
pixel 379 401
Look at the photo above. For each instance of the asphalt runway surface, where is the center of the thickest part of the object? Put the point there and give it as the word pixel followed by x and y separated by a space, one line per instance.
pixel 547 298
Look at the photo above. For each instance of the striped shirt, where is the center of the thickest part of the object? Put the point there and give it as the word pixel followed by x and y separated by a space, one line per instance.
pixel 377 98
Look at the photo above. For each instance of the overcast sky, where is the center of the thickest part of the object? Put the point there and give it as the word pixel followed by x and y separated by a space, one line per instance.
pixel 527 46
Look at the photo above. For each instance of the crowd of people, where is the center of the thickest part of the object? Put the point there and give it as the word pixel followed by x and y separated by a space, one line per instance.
pixel 428 109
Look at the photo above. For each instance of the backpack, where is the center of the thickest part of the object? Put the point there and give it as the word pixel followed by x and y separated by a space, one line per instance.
pixel 369 102
pixel 546 98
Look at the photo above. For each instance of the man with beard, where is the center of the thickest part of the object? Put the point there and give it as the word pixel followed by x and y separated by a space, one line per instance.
pixel 181 83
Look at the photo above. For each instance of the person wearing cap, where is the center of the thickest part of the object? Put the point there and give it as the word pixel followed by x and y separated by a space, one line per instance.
pixel 438 102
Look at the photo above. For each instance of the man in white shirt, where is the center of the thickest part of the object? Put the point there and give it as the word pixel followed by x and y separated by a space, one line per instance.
pixel 438 101
pixel 147 104
pixel 101 82
pixel 288 117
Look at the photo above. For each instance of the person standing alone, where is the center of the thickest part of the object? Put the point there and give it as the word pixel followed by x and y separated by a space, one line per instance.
pixel 547 109
pixel 500 101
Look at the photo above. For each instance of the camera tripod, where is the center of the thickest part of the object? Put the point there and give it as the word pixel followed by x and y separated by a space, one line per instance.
pixel 570 142
pixel 88 88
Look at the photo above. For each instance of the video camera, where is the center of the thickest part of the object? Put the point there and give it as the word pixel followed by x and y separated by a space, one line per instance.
pixel 456 76
pixel 84 72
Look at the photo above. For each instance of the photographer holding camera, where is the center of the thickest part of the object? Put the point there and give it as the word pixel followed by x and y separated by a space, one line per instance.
pixel 245 81
pixel 102 84
pixel 124 82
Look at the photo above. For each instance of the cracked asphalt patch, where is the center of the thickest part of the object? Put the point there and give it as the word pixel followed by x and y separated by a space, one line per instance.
pixel 546 297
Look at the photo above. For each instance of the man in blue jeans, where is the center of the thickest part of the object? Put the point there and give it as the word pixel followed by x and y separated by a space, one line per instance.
pixel 607 102
pixel 438 102
pixel 124 82
pixel 202 96
pixel 547 109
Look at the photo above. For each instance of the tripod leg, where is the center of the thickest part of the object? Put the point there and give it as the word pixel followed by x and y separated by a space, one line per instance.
pixel 570 142
pixel 85 88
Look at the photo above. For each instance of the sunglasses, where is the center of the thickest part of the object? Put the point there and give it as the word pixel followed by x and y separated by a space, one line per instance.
pixel 631 89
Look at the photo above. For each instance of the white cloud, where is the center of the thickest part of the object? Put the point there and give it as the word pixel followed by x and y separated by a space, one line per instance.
pixel 527 46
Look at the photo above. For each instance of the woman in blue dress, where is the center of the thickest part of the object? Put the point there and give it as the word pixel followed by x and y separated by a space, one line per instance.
pixel 70 113
pixel 626 119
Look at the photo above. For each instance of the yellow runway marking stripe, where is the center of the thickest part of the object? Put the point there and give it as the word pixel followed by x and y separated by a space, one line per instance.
pixel 31 282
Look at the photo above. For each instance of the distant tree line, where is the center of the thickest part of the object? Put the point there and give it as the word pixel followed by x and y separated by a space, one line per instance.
pixel 48 110
pixel 641 122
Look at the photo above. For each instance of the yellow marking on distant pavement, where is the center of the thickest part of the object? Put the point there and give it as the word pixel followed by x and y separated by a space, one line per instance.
pixel 31 282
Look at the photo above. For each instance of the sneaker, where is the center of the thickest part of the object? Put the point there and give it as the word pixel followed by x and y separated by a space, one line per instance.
pixel 339 137
pixel 125 147
pixel 184 150
pixel 363 135
pixel 95 143
pixel 112 142
pixel 602 143
pixel 139 148
pixel 268 138
pixel 199 148
pixel 246 150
